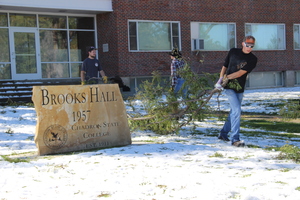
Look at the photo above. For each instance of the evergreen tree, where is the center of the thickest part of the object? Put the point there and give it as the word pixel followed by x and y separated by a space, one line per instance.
pixel 291 110
pixel 162 111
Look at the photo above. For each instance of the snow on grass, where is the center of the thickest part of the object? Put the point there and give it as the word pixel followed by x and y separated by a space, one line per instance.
pixel 185 166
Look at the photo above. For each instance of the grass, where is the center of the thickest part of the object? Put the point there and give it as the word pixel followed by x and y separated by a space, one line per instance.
pixel 269 129
pixel 285 169
pixel 253 146
pixel 280 182
pixel 217 155
pixel 270 125
pixel 9 131
pixel 16 104
pixel 14 160
pixel 272 135
pixel 247 175
pixel 104 194
pixel 24 157
pixel 289 152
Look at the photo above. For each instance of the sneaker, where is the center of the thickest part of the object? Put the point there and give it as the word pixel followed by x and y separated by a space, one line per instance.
pixel 238 144
pixel 223 138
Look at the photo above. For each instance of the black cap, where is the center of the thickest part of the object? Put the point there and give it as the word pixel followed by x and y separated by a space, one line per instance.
pixel 91 48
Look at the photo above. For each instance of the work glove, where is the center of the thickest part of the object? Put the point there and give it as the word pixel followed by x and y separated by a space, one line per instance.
pixel 171 89
pixel 83 82
pixel 218 84
pixel 104 78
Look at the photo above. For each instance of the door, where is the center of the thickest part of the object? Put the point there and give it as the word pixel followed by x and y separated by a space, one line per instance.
pixel 24 57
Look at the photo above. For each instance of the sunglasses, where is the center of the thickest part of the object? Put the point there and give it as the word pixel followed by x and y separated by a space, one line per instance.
pixel 249 46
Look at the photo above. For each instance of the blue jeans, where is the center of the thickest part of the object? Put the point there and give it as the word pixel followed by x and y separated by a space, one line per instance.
pixel 233 120
pixel 180 82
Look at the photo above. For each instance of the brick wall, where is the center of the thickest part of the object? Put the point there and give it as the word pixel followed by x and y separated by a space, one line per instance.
pixel 113 29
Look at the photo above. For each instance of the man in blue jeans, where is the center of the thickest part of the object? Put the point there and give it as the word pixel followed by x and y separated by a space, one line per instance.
pixel 177 64
pixel 238 64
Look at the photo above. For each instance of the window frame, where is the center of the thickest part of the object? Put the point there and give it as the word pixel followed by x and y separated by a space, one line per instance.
pixel 195 35
pixel 153 21
pixel 257 38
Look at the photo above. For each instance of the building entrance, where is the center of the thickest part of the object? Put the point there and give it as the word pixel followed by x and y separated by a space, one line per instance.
pixel 25 57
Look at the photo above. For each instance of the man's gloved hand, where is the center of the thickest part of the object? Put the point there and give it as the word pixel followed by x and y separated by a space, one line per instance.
pixel 171 89
pixel 218 84
pixel 104 78
pixel 83 82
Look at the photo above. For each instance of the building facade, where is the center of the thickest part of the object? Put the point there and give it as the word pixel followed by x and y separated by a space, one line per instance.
pixel 48 39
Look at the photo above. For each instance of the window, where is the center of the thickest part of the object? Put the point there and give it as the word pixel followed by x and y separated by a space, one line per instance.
pixel 268 36
pixel 264 79
pixel 48 21
pixel 63 44
pixel 81 23
pixel 153 36
pixel 55 70
pixel 54 46
pixel 79 41
pixel 212 36
pixel 23 20
pixel 297 36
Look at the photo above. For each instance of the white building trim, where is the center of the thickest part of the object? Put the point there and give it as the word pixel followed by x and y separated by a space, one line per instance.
pixel 58 6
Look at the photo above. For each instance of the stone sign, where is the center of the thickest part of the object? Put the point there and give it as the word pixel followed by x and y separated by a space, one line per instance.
pixel 75 117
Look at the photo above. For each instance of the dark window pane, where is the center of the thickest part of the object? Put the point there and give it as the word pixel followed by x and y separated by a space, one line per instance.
pixel 81 22
pixel 47 21
pixel 176 42
pixel 175 31
pixel 132 36
pixel 132 28
pixel 79 41
pixel 175 35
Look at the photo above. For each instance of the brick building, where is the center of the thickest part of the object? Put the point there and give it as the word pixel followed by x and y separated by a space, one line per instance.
pixel 134 37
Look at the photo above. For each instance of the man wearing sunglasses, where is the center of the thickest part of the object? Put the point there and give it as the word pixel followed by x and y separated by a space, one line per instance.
pixel 238 64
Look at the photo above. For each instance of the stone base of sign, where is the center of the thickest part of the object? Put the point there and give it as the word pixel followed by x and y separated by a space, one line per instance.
pixel 74 118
